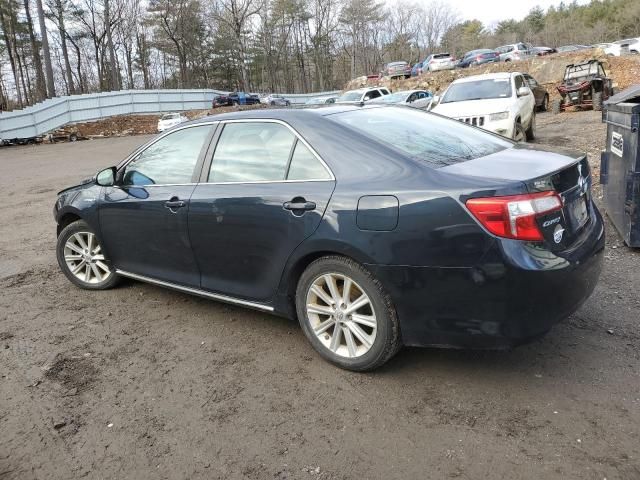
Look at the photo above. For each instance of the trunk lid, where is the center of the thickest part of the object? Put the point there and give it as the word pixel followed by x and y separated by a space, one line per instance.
pixel 542 169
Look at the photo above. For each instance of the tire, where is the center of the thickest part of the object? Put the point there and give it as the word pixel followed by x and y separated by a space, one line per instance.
pixel 545 104
pixel 519 135
pixel 363 352
pixel 73 137
pixel 287 103
pixel 99 263
pixel 597 101
pixel 531 131
pixel 556 107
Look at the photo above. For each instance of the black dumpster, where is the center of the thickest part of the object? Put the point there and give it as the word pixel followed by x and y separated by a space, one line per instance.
pixel 620 163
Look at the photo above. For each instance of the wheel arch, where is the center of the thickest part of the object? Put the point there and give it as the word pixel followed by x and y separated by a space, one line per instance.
pixel 67 218
pixel 297 264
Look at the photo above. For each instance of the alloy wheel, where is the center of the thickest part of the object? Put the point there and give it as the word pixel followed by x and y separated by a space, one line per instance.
pixel 84 258
pixel 341 315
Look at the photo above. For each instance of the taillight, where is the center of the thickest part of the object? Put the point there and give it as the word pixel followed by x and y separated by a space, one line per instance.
pixel 514 216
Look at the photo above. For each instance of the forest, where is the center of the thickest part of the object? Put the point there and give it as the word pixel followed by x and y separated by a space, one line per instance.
pixel 60 47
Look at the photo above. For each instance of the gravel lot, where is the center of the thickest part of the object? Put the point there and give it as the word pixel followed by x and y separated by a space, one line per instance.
pixel 145 383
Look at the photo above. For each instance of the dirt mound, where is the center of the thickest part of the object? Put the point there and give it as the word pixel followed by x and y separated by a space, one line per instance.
pixel 123 125
pixel 547 70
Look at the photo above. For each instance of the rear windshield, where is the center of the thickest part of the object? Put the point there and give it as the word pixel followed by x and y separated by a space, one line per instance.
pixel 441 55
pixel 170 116
pixel 423 136
pixel 478 90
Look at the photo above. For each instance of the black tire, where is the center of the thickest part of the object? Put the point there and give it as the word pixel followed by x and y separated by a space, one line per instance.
pixel 597 101
pixel 531 131
pixel 80 226
pixel 387 340
pixel 519 132
pixel 545 104
pixel 73 137
pixel 556 107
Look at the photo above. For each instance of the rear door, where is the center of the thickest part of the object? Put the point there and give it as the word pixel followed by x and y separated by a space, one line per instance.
pixel 263 192
pixel 538 91
pixel 144 217
pixel 526 103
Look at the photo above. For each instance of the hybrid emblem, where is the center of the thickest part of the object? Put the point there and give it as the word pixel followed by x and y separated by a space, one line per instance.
pixel 557 233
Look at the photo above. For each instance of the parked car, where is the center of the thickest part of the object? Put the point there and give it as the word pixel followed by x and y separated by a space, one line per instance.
pixel 170 120
pixel 439 61
pixel 416 70
pixel 623 47
pixel 572 48
pixel 514 51
pixel 396 69
pixel 374 227
pixel 478 57
pixel 412 98
pixel 276 99
pixel 235 98
pixel 585 85
pixel 221 101
pixel 542 51
pixel 321 100
pixel 499 102
pixel 540 93
pixel 362 95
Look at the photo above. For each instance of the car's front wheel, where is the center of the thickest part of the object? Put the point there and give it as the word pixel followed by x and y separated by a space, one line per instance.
pixel 531 131
pixel 346 314
pixel 519 134
pixel 81 258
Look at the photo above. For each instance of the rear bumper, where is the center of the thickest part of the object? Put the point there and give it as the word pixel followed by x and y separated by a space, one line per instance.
pixel 515 294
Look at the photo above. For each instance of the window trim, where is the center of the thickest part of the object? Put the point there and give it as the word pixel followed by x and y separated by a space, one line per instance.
pixel 206 167
pixel 197 170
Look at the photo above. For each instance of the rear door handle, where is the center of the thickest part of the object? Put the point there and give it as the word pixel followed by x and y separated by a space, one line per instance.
pixel 299 205
pixel 175 203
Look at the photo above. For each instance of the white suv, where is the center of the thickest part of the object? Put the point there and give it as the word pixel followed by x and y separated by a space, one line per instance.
pixel 499 102
pixel 362 95
pixel 623 47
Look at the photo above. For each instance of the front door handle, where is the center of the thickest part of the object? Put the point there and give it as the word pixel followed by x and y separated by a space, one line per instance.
pixel 299 204
pixel 175 203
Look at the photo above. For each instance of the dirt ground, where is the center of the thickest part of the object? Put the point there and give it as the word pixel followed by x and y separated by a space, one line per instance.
pixel 145 383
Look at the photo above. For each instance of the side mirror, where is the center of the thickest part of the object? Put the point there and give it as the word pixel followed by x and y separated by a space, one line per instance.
pixel 523 91
pixel 106 177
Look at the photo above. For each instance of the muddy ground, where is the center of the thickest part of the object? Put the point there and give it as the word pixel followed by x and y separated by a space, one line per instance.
pixel 145 383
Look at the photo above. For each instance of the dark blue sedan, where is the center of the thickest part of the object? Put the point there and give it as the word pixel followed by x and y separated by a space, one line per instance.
pixel 376 227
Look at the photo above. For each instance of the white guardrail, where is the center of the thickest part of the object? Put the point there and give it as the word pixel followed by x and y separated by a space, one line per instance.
pixel 53 113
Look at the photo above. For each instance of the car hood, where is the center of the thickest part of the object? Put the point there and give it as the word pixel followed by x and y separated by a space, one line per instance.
pixel 473 107
pixel 521 162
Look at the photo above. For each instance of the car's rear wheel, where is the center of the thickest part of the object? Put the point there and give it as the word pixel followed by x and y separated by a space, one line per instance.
pixel 346 314
pixel 81 258
pixel 545 104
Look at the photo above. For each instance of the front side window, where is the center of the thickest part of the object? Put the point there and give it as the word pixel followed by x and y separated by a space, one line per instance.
pixel 170 160
pixel 423 136
pixel 519 82
pixel 252 152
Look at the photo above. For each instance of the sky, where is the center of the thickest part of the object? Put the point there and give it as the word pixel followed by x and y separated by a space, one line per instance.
pixel 491 12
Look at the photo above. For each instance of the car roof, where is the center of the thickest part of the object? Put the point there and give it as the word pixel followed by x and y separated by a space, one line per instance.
pixel 487 76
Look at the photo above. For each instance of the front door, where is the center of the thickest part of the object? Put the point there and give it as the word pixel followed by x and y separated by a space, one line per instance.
pixel 144 217
pixel 263 194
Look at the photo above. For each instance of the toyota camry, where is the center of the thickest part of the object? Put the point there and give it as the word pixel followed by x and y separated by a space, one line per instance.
pixel 375 227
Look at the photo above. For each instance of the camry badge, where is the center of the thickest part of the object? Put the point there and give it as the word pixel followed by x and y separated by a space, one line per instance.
pixel 557 233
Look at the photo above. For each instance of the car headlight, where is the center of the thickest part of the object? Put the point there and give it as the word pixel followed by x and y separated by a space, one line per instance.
pixel 494 117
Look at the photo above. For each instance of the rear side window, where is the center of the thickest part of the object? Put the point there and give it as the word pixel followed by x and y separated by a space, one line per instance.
pixel 426 137
pixel 251 152
pixel 305 165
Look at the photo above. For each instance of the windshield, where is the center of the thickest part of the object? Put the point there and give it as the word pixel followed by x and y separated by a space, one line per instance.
pixel 352 96
pixel 478 90
pixel 426 137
